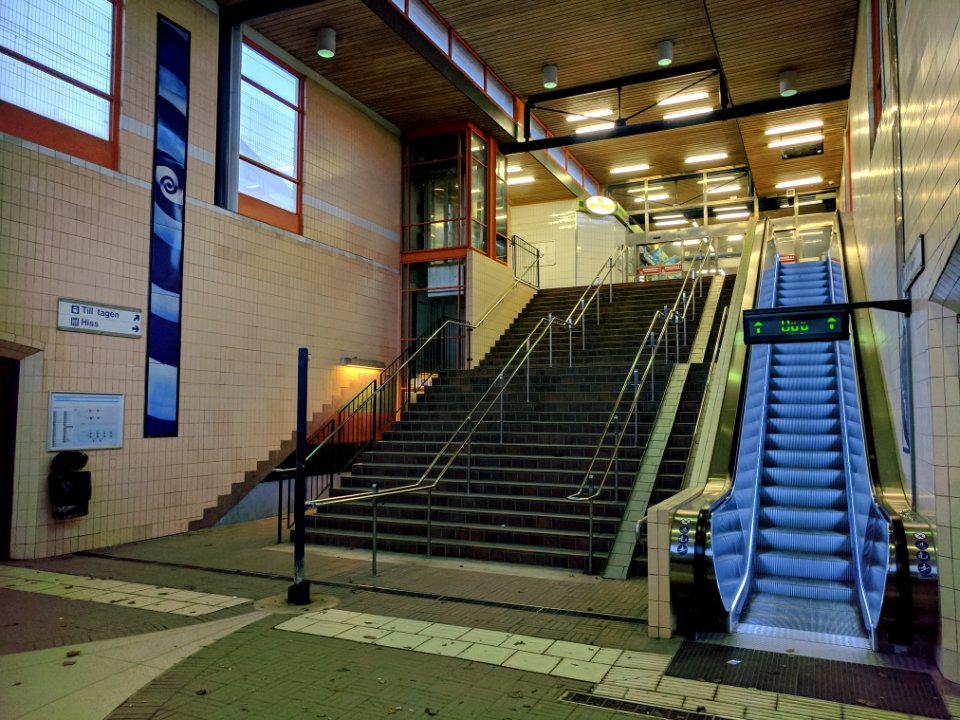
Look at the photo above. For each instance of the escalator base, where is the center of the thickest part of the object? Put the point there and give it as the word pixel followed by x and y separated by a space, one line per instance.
pixel 882 688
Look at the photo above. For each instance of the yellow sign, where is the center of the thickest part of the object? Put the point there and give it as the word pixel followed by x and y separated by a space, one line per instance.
pixel 600 205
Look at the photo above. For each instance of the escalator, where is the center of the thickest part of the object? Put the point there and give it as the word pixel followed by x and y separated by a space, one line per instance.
pixel 802 541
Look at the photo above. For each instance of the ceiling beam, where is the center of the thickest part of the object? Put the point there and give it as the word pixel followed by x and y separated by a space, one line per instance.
pixel 760 107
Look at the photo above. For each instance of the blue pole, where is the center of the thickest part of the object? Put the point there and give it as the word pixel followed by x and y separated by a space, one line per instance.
pixel 299 592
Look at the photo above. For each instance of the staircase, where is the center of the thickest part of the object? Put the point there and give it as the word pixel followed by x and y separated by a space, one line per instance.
pixel 804 576
pixel 514 507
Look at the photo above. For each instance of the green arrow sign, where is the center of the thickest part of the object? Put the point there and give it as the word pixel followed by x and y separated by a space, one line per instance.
pixel 758 326
pixel 831 322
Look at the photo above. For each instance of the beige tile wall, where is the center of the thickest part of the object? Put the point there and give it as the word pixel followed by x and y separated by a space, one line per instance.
pixel 551 227
pixel 252 295
pixel 929 56
pixel 487 282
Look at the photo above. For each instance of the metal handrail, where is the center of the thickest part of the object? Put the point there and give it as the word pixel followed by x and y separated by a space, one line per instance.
pixel 526 346
pixel 496 304
pixel 581 495
pixel 606 270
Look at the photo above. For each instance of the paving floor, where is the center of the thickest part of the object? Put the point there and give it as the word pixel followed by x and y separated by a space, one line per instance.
pixel 197 626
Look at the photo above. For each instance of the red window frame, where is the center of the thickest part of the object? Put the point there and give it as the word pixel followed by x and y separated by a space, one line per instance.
pixel 256 208
pixel 31 126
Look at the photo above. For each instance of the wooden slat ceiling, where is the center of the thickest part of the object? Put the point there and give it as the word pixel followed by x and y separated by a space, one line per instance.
pixel 592 41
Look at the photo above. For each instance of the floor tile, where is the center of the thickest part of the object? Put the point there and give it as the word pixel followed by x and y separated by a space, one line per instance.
pixel 484 637
pixel 574 651
pixel 532 662
pixel 443 646
pixel 401 640
pixel 363 634
pixel 580 670
pixel 486 654
pixel 441 630
pixel 527 643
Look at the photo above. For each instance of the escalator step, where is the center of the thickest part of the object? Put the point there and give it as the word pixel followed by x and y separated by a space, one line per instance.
pixel 819 460
pixel 804 518
pixel 802 441
pixel 805 588
pixel 810 566
pixel 820 426
pixel 804 541
pixel 803 477
pixel 814 498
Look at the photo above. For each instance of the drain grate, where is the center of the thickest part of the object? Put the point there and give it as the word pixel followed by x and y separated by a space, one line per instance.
pixel 636 708
pixel 905 691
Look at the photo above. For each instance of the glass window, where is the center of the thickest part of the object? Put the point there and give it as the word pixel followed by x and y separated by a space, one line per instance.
pixel 467 61
pixel 57 71
pixel 431 26
pixel 270 137
pixel 478 192
pixel 500 185
pixel 499 94
pixel 433 210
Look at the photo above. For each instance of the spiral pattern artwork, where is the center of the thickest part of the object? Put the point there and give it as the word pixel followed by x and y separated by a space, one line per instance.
pixel 166 237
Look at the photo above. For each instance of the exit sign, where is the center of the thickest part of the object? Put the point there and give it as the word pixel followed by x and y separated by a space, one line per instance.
pixel 797 324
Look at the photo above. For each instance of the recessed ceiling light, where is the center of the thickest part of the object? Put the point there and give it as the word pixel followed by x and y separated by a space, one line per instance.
pixel 729 208
pixel 522 180
pixel 668 216
pixel 667 223
pixel 595 128
pixel 629 169
pixel 655 197
pixel 732 215
pixel 649 188
pixel 577 117
pixel 723 189
pixel 717 178
pixel 687 113
pixel 801 203
pixel 734 238
pixel 798 183
pixel 705 158
pixel 688 243
pixel 686 97
pixel 794 127
pixel 796 140
pixel 514 168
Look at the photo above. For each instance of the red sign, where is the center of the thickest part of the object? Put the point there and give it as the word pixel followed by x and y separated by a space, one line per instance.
pixel 673 268
pixel 650 270
pixel 784 259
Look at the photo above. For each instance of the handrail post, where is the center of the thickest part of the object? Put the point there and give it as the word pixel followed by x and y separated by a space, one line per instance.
pixel 280 482
pixel 502 393
pixel 616 459
pixel 693 294
pixel 299 592
pixel 429 519
pixel 598 307
pixel 583 325
pixel 468 340
pixel 570 339
pixel 636 413
pixel 590 531
pixel 676 334
pixel 373 535
pixel 611 280
pixel 684 317
pixel 469 449
pixel 550 337
pixel 527 361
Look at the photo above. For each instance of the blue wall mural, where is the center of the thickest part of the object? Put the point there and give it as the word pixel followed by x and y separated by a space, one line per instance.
pixel 166 233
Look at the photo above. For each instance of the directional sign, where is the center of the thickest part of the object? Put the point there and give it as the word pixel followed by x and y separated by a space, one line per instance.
pixel 81 316
pixel 777 325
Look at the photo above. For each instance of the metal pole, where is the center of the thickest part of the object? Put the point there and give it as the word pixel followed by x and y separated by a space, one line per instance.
pixel 500 380
pixel 570 340
pixel 550 337
pixel 610 261
pixel 590 531
pixel 469 449
pixel 429 519
pixel 676 333
pixel 684 317
pixel 373 534
pixel 280 482
pixel 583 325
pixel 299 592
pixel 616 459
pixel 528 368
pixel 693 296
pixel 636 413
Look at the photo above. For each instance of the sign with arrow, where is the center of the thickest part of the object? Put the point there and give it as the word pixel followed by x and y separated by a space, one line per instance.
pixel 796 324
pixel 82 316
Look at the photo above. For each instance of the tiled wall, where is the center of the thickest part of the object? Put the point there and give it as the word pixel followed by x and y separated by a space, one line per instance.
pixel 487 282
pixel 551 227
pixel 252 295
pixel 597 240
pixel 929 57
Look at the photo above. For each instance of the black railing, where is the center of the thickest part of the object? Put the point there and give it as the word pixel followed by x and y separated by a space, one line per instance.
pixel 526 261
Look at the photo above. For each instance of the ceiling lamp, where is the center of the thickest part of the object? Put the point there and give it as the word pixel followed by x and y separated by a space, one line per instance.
pixel 717 178
pixel 724 189
pixel 664 52
pixel 522 180
pixel 549 76
pixel 623 169
pixel 788 83
pixel 668 216
pixel 736 214
pixel 595 128
pixel 784 129
pixel 577 117
pixel 705 158
pixel 326 42
pixel 688 112
pixel 514 168
pixel 797 140
pixel 656 197
pixel 686 97
pixel 797 183
pixel 668 223
pixel 650 188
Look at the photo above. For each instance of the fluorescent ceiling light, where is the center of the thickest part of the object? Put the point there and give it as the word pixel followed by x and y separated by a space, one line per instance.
pixel 723 189
pixel 577 117
pixel 796 140
pixel 816 231
pixel 514 168
pixel 667 223
pixel 594 128
pixel 732 215
pixel 649 188
pixel 784 129
pixel 734 238
pixel 801 181
pixel 687 113
pixel 656 196
pixel 801 203
pixel 718 178
pixel 730 208
pixel 629 169
pixel 692 242
pixel 668 216
pixel 522 180
pixel 705 158
pixel 686 97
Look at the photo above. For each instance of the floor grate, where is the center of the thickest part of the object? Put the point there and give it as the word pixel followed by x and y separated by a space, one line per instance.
pixel 637 708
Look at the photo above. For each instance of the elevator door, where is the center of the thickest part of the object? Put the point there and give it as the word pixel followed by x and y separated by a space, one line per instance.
pixel 9 390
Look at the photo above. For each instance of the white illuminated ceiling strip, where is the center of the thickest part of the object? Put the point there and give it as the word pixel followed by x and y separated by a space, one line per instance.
pixel 594 128
pixel 705 158
pixel 686 97
pixel 655 197
pixel 667 223
pixel 688 113
pixel 668 216
pixel 795 127
pixel 622 169
pixel 796 140
pixel 723 189
pixel 577 117
pixel 649 188
pixel 717 178
pixel 522 180
pixel 514 168
pixel 733 215
pixel 800 182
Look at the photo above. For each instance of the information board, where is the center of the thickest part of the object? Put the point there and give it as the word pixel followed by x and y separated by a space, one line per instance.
pixel 799 324
pixel 84 421
pixel 80 316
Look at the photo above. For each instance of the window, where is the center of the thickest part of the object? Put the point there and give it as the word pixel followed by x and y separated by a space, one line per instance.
pixel 271 128
pixel 59 75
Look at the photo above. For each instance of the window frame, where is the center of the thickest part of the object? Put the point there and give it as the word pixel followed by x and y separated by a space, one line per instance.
pixel 34 127
pixel 254 207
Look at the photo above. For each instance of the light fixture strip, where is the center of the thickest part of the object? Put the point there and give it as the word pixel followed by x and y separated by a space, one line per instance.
pixel 705 158
pixel 796 140
pixel 623 169
pixel 668 223
pixel 589 114
pixel 688 113
pixel 594 128
pixel 522 180
pixel 800 182
pixel 794 127
pixel 685 97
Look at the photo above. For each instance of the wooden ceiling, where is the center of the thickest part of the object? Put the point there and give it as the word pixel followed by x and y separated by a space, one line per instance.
pixel 593 41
